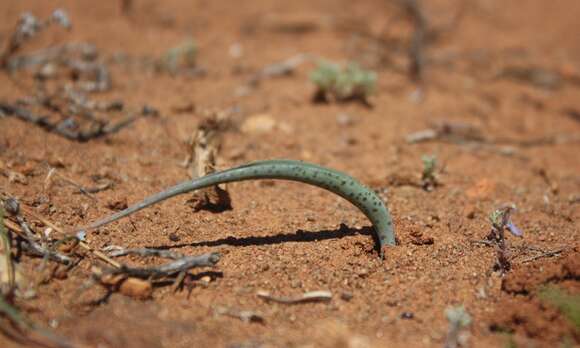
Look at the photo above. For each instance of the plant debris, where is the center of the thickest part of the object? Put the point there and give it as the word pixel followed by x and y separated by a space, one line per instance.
pixel 63 79
pixel 245 316
pixel 311 296
pixel 205 152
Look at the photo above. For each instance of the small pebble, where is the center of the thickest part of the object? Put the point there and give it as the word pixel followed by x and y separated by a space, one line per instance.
pixel 363 272
pixel 344 119
pixel 407 315
pixel 346 295
pixel 12 206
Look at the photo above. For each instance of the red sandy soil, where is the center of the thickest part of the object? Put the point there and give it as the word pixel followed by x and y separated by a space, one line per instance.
pixel 286 238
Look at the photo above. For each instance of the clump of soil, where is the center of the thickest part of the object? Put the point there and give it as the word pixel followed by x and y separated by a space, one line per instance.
pixel 529 313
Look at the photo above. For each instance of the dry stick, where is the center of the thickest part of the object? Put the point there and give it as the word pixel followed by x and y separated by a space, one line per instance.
pixel 6 289
pixel 119 251
pixel 62 128
pixel 80 100
pixel 50 54
pixel 88 191
pixel 68 101
pixel 82 244
pixel 543 254
pixel 27 27
pixel 447 131
pixel 26 233
pixel 463 134
pixel 423 35
pixel 37 249
pixel 312 296
pixel 100 187
pixel 79 187
pixel 6 308
pixel 417 48
pixel 181 265
pixel 546 254
pixel 178 282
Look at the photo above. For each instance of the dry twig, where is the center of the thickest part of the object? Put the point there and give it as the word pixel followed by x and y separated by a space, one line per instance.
pixel 88 74
pixel 181 265
pixel 33 244
pixel 459 133
pixel 81 243
pixel 27 27
pixel 66 128
pixel 116 251
pixel 312 296
pixel 549 253
pixel 8 310
pixel 7 274
pixel 418 40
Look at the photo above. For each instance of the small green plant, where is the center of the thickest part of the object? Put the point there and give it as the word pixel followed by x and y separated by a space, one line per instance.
pixel 567 304
pixel 180 57
pixel 510 343
pixel 458 319
pixel 343 83
pixel 428 177
pixel 325 76
pixel 458 316
pixel 500 220
pixel 334 181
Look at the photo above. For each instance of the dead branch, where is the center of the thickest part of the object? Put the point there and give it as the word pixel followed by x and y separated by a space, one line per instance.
pixel 53 172
pixel 29 26
pixel 54 54
pixel 550 253
pixel 184 264
pixel 7 275
pixel 116 251
pixel 79 63
pixel 31 240
pixel 48 223
pixel 8 310
pixel 66 127
pixel 416 53
pixel 458 133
